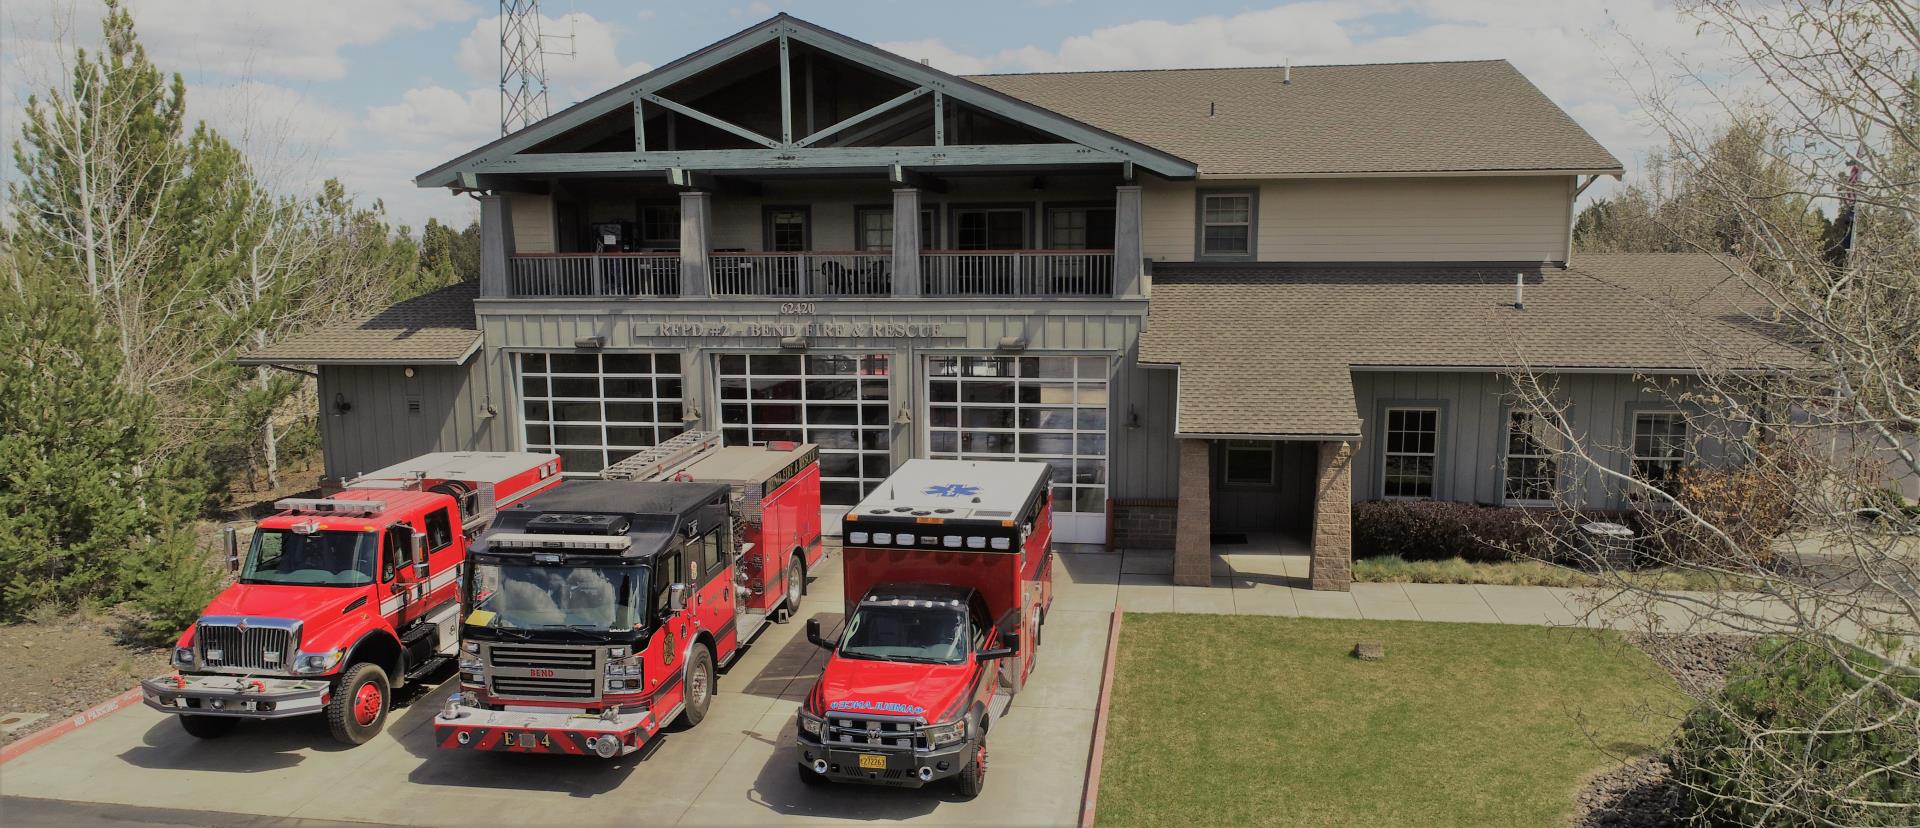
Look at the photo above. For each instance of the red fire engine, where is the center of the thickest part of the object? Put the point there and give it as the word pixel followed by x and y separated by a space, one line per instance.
pixel 340 600
pixel 600 612
pixel 949 573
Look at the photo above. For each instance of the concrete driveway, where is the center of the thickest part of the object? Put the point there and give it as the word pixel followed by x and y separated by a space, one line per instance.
pixel 736 768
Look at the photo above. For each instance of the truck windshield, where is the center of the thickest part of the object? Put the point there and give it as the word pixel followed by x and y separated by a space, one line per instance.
pixel 588 598
pixel 343 559
pixel 890 633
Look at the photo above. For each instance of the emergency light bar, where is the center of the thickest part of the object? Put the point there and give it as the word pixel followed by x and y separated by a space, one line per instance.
pixel 521 540
pixel 321 504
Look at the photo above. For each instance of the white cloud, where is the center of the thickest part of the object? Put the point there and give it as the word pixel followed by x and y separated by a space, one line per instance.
pixel 593 66
pixel 299 39
pixel 938 53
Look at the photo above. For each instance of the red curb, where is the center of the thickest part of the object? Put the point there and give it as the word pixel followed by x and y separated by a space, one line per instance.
pixel 1090 795
pixel 14 749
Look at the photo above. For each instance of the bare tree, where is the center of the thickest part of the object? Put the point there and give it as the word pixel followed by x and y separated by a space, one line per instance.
pixel 1806 527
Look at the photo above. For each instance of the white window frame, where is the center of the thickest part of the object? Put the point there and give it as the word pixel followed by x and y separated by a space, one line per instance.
pixel 1387 452
pixel 1263 447
pixel 1085 377
pixel 1251 223
pixel 1635 458
pixel 610 452
pixel 1546 453
pixel 729 431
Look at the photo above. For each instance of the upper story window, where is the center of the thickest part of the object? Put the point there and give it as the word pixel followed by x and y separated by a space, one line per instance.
pixel 1412 451
pixel 989 228
pixel 1080 228
pixel 1660 443
pixel 660 226
pixel 873 229
pixel 788 229
pixel 1533 465
pixel 1226 225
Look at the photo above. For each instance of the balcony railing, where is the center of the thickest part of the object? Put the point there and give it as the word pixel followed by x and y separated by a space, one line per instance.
pixel 1016 272
pixel 594 274
pixel 811 274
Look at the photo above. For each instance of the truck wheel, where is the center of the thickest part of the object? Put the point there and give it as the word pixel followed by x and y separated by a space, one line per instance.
pixel 359 706
pixel 699 686
pixel 208 727
pixel 796 576
pixel 973 777
pixel 811 779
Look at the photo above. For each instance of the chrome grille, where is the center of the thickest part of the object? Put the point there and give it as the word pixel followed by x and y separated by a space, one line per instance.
pixel 860 732
pixel 525 671
pixel 257 647
pixel 542 658
pixel 547 688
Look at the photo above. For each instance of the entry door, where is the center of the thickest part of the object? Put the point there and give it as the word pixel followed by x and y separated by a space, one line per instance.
pixel 1044 409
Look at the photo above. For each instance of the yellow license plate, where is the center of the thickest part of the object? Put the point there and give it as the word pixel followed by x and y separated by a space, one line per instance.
pixel 873 761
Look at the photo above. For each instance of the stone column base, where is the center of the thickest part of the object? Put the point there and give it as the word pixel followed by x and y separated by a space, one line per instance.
pixel 1193 529
pixel 1332 565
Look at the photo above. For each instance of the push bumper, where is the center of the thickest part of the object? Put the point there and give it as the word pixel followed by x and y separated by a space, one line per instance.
pixel 903 767
pixel 563 733
pixel 236 696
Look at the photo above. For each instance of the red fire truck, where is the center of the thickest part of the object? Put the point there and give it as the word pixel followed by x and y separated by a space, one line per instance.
pixel 949 573
pixel 340 600
pixel 600 612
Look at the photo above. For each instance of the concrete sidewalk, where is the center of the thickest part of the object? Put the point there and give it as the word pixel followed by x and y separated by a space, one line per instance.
pixel 1275 584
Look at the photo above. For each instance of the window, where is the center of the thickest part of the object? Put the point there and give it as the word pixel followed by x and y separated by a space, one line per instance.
pixel 1412 449
pixel 1249 463
pixel 597 409
pixel 393 551
pixel 710 557
pixel 1226 225
pixel 665 572
pixel 873 229
pixel 1533 465
pixel 788 229
pixel 439 530
pixel 1659 446
pixel 660 226
pixel 1080 228
pixel 838 401
pixel 989 228
pixel 1047 409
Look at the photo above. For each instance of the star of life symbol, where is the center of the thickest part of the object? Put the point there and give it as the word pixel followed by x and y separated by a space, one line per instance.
pixel 953 490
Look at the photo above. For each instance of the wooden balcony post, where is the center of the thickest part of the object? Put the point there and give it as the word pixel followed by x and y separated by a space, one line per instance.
pixel 906 242
pixel 496 244
pixel 1129 264
pixel 696 216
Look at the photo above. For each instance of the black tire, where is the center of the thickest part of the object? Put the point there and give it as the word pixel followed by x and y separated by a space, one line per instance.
pixel 698 681
pixel 208 727
pixel 972 779
pixel 356 714
pixel 793 585
pixel 811 779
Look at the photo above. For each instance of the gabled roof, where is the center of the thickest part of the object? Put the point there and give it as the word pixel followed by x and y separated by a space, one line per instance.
pixel 1269 349
pixel 1398 118
pixel 784 25
pixel 437 328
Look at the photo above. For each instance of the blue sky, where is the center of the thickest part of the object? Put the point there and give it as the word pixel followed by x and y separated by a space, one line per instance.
pixel 375 91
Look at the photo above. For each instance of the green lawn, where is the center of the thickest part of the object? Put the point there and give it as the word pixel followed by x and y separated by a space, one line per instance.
pixel 1263 720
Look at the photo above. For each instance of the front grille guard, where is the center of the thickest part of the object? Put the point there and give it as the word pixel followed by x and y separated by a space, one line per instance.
pixel 863 730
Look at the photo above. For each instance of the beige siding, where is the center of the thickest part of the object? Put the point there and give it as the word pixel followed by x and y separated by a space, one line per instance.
pixel 1494 218
pixel 532 224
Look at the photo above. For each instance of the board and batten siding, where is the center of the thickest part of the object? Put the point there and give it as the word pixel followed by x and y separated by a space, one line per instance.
pixel 382 427
pixel 1140 460
pixel 1473 422
pixel 1466 219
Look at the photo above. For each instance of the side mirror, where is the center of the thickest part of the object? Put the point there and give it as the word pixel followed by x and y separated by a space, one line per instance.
pixel 814 637
pixel 1010 639
pixel 676 598
pixel 231 536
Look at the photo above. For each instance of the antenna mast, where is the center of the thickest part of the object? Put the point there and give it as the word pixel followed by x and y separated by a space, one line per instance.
pixel 523 65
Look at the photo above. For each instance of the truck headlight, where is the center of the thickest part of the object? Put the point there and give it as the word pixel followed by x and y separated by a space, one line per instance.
pixel 470 665
pixel 945 734
pixel 627 667
pixel 183 658
pixel 315 663
pixel 809 724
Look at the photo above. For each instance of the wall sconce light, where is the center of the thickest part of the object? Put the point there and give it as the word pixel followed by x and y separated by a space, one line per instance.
pixel 1013 343
pixel 590 343
pixel 340 404
pixel 408 371
pixel 691 414
pixel 1133 417
pixel 905 417
pixel 487 411
pixel 793 343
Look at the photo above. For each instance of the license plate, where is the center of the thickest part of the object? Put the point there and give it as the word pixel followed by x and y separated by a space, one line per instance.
pixel 873 761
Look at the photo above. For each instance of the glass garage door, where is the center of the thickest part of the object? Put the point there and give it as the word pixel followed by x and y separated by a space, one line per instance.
pixel 596 409
pixel 1051 410
pixel 839 401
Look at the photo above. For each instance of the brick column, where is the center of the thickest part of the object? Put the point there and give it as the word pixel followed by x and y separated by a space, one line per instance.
pixel 1192 544
pixel 1332 566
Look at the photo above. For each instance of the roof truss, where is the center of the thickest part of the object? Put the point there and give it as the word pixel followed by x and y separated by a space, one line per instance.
pixel 1083 144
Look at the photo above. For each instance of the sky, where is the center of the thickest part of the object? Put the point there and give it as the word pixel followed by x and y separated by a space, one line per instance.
pixel 374 92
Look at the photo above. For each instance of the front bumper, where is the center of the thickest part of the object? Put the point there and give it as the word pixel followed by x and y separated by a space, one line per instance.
pixel 902 764
pixel 236 696
pixel 562 732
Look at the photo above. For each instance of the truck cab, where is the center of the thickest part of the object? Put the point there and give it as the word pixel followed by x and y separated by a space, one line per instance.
pixel 948 573
pixel 338 601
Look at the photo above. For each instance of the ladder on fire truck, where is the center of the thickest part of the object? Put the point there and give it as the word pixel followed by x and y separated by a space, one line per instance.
pixel 661 462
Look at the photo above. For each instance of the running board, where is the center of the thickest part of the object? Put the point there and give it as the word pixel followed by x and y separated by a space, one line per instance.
pixel 414 673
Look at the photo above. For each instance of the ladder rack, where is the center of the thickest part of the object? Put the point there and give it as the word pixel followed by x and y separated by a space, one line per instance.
pixel 658 462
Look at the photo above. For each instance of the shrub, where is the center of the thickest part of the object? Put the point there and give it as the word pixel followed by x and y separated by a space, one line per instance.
pixel 1751 504
pixel 1431 530
pixel 1750 756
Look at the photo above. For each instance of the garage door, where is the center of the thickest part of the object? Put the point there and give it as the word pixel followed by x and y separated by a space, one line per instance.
pixel 1051 410
pixel 596 409
pixel 839 401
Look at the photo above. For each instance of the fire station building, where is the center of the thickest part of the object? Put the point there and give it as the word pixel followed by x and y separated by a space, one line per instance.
pixel 1216 302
